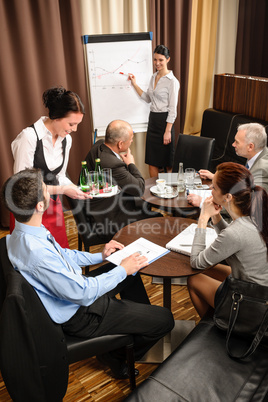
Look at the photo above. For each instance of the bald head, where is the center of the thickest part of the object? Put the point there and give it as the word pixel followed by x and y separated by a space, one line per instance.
pixel 118 130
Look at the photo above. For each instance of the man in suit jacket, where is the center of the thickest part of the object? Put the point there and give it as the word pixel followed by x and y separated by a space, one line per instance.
pixel 108 215
pixel 114 152
pixel 250 142
pixel 84 306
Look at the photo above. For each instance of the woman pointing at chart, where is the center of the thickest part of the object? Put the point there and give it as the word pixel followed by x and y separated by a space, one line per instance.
pixel 163 95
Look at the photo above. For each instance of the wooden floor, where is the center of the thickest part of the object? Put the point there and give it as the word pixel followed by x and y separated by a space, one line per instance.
pixel 88 380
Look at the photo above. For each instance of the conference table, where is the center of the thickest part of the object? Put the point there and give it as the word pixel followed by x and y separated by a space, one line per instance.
pixel 160 231
pixel 177 206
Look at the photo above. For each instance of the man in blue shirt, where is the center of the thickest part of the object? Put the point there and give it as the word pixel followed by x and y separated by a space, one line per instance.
pixel 84 306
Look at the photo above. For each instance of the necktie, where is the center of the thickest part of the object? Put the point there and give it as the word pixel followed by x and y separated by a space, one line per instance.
pixel 247 165
pixel 52 240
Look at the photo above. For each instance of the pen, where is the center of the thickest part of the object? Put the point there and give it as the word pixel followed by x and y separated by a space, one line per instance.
pixel 123 73
pixel 185 245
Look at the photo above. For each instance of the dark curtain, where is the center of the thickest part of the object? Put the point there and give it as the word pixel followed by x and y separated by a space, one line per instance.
pixel 40 47
pixel 252 37
pixel 170 22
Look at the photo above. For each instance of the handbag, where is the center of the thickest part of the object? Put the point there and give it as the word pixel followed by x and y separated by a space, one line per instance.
pixel 242 310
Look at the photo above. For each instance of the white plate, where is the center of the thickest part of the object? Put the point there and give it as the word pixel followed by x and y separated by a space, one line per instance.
pixel 115 190
pixel 164 194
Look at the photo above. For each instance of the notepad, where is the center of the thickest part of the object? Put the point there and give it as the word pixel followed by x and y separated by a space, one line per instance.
pixel 145 247
pixel 182 243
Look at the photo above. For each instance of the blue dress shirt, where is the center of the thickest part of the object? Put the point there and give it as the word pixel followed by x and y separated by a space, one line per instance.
pixel 62 292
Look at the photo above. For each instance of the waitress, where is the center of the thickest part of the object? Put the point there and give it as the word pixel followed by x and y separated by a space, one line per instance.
pixel 46 145
pixel 163 94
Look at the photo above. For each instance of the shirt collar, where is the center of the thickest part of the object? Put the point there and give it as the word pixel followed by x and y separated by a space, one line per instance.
pixel 251 161
pixel 38 231
pixel 42 131
pixel 170 75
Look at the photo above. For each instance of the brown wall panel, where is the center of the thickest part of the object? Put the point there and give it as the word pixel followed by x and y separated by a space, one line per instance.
pixel 241 94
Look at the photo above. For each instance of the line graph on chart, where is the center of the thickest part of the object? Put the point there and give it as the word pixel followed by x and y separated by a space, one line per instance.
pixel 111 70
pixel 112 94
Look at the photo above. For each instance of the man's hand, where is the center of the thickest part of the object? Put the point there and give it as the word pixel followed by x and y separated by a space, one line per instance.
pixel 194 199
pixel 127 157
pixel 110 248
pixel 206 174
pixel 134 263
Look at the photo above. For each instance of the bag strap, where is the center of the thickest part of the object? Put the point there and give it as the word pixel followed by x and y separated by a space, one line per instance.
pixel 258 337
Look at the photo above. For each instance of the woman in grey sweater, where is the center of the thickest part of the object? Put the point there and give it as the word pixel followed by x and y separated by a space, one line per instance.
pixel 243 244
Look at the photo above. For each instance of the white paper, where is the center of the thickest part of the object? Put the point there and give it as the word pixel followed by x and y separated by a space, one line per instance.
pixel 145 247
pixel 182 243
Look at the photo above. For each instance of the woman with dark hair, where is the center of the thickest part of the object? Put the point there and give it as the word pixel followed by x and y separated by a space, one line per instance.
pixel 46 145
pixel 163 94
pixel 243 243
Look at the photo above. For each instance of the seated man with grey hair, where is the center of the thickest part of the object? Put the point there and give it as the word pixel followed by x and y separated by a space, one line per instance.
pixel 250 142
pixel 114 152
pixel 108 215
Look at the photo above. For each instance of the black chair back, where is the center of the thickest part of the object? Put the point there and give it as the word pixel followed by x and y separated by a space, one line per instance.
pixel 194 152
pixel 34 351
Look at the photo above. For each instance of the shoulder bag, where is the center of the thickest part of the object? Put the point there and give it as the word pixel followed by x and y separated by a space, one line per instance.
pixel 242 310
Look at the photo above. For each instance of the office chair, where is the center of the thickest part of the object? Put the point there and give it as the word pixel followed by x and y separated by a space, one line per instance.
pixel 195 152
pixel 34 351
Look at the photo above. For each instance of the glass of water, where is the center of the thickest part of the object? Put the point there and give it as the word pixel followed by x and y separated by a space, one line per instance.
pixel 94 182
pixel 189 176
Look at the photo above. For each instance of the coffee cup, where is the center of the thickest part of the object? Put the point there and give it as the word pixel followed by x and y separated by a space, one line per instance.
pixel 160 185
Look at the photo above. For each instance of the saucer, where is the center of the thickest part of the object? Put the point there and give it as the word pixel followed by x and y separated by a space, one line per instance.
pixel 154 190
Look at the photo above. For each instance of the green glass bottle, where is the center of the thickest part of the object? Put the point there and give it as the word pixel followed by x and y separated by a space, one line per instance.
pixel 98 169
pixel 84 177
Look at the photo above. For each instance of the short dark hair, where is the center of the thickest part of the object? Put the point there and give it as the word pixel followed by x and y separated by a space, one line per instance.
pixel 61 102
pixel 22 192
pixel 162 49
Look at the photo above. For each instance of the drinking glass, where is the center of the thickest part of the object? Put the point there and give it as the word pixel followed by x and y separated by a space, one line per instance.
pixel 189 177
pixel 107 180
pixel 94 182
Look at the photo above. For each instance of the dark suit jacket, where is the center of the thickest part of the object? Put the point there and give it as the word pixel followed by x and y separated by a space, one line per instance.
pixel 108 215
pixel 125 176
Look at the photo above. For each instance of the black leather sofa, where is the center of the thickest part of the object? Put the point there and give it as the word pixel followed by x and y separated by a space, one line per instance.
pixel 200 370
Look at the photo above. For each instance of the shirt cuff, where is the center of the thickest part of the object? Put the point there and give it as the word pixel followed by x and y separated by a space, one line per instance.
pixel 121 271
pixel 96 258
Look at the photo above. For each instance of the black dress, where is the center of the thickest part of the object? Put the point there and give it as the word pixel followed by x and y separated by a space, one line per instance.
pixel 156 153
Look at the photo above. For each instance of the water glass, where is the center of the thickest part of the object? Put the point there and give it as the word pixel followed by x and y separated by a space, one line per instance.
pixel 94 182
pixel 107 180
pixel 189 177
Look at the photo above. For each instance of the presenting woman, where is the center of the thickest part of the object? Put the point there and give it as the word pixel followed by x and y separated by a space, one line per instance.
pixel 163 95
pixel 46 145
pixel 243 243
